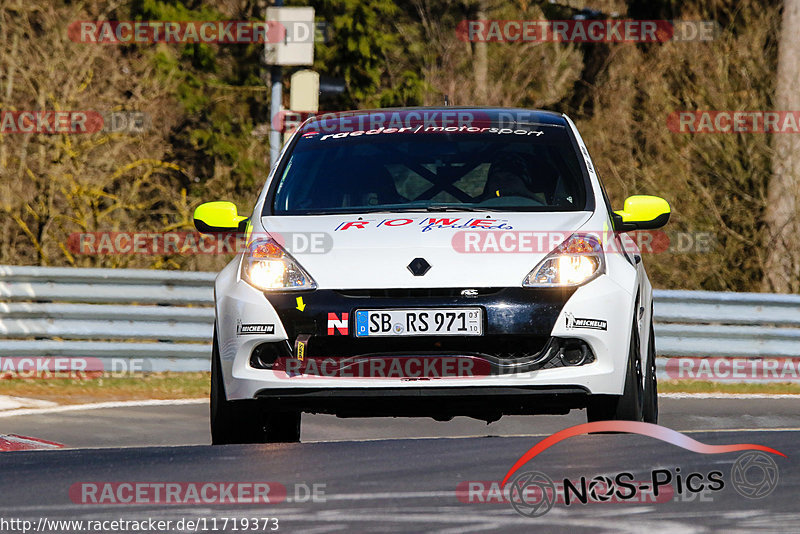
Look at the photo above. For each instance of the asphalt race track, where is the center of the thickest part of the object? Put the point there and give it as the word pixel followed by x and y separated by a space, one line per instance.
pixel 389 475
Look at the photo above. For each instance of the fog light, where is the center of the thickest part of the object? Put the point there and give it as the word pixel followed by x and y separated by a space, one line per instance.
pixel 575 352
pixel 265 355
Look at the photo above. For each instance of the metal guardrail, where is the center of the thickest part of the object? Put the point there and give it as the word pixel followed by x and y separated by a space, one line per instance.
pixel 727 324
pixel 64 284
pixel 167 317
pixel 164 317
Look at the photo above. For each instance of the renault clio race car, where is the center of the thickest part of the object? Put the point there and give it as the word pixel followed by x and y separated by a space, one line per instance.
pixel 431 262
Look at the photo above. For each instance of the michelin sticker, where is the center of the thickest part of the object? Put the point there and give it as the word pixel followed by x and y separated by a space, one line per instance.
pixel 246 329
pixel 593 324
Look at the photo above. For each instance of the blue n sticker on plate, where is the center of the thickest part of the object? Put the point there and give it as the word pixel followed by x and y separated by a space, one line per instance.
pixel 362 323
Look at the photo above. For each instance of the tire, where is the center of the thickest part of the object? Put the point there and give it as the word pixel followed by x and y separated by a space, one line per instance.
pixel 651 383
pixel 630 405
pixel 248 420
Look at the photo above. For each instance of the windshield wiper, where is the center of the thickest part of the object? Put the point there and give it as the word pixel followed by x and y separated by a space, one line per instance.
pixel 440 208
pixel 456 207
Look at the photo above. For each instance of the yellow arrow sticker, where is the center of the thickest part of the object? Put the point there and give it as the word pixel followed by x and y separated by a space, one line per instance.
pixel 300 304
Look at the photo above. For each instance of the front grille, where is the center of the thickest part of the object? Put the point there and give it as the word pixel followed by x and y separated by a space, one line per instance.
pixel 501 347
pixel 373 358
pixel 414 292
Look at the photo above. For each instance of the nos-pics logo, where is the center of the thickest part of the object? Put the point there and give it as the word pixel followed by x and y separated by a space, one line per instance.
pixel 754 474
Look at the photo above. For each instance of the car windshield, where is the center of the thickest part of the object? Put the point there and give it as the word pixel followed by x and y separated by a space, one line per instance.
pixel 520 168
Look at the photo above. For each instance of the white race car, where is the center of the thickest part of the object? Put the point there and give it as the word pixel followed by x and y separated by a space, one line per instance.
pixel 431 262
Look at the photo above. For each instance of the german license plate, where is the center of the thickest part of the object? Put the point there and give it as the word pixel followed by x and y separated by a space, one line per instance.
pixel 420 322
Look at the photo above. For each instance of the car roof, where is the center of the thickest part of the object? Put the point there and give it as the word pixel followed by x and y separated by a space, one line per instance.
pixel 505 116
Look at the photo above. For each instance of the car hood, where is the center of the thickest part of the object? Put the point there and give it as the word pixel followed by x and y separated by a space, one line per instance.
pixel 373 250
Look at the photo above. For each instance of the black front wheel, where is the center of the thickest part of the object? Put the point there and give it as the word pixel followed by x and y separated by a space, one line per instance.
pixel 651 383
pixel 629 406
pixel 247 420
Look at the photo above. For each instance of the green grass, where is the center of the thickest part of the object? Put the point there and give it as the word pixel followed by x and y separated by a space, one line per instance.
pixel 704 386
pixel 108 388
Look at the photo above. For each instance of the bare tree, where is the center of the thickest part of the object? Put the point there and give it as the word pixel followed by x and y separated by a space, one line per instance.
pixel 782 269
pixel 481 64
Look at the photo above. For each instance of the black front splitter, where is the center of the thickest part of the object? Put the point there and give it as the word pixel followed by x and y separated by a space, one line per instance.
pixel 481 402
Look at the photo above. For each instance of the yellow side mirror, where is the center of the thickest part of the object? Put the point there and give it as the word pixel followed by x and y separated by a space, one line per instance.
pixel 642 212
pixel 220 216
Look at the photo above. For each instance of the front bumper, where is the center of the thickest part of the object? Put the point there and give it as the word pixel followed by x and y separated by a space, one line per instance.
pixel 516 332
pixel 519 323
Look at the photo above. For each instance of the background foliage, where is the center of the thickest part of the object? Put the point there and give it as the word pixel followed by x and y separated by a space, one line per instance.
pixel 209 105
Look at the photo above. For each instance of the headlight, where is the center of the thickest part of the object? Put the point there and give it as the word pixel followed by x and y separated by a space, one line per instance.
pixel 268 267
pixel 574 262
